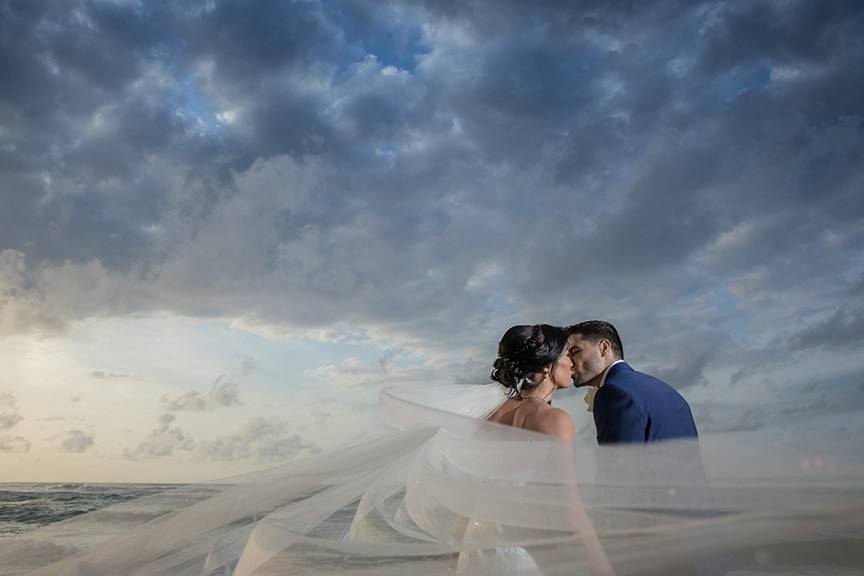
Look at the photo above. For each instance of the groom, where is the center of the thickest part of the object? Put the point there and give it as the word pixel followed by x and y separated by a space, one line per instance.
pixel 628 406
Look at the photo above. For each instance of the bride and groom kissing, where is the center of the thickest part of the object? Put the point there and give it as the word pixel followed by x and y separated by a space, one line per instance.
pixel 628 406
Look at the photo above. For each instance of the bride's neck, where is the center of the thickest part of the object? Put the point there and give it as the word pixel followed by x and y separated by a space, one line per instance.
pixel 544 389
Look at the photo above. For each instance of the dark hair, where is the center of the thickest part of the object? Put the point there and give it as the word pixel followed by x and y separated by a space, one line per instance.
pixel 525 350
pixel 596 330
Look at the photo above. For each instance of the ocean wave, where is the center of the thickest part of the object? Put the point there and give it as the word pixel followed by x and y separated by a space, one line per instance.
pixel 25 507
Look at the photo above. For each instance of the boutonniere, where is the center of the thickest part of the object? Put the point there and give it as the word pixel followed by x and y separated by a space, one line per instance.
pixel 589 397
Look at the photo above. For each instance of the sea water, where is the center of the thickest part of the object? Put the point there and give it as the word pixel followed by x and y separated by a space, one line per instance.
pixel 43 523
pixel 26 507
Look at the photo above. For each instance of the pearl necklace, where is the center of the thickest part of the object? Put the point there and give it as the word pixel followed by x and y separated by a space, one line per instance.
pixel 541 398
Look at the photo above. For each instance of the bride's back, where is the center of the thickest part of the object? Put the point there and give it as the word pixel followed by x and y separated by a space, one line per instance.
pixel 536 416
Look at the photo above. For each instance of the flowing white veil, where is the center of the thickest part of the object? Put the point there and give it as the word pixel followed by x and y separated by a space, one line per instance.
pixel 447 492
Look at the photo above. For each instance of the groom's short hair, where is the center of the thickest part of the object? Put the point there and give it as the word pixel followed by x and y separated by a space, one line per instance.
pixel 596 330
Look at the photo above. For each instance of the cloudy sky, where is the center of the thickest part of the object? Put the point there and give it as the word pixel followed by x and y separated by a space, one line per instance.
pixel 226 224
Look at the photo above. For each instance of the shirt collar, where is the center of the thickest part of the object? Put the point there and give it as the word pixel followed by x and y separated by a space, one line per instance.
pixel 606 373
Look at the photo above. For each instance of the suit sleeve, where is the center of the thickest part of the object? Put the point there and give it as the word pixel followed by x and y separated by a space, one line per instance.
pixel 618 418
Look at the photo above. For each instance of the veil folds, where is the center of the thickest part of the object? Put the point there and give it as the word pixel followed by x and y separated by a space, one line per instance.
pixel 447 492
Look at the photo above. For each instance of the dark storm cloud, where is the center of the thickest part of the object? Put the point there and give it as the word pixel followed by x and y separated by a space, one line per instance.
pixel 843 330
pixel 840 395
pixel 275 36
pixel 685 365
pixel 99 90
pixel 796 32
pixel 72 132
pixel 434 170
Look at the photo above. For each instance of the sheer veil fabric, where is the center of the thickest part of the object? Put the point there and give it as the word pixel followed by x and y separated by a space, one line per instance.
pixel 446 492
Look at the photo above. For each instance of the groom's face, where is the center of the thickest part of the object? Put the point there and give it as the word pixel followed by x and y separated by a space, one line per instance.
pixel 586 358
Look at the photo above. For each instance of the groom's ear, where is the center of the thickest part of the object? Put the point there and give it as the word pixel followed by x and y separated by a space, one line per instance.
pixel 605 347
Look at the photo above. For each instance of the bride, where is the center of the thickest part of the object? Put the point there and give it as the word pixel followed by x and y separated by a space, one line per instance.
pixel 532 364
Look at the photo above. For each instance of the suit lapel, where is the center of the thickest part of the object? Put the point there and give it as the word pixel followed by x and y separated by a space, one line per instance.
pixel 617 368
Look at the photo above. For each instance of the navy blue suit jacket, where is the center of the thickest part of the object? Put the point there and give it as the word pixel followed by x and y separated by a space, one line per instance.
pixel 632 407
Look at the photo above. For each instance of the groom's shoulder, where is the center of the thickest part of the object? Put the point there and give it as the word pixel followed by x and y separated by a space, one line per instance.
pixel 641 383
pixel 624 377
pixel 621 373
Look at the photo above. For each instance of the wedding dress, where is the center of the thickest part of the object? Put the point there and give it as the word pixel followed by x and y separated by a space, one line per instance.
pixel 448 492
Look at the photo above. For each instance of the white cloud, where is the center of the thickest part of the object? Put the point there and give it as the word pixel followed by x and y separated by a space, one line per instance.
pixel 103 375
pixel 9 414
pixel 352 368
pixel 321 416
pixel 162 441
pixel 262 439
pixel 45 298
pixel 222 394
pixel 484 276
pixel 229 117
pixel 259 439
pixel 248 366
pixel 14 444
pixel 76 441
pixel 353 372
pixel 191 400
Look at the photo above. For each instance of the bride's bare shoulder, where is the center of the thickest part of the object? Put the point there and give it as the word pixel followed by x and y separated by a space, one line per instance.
pixel 535 416
pixel 504 413
pixel 554 421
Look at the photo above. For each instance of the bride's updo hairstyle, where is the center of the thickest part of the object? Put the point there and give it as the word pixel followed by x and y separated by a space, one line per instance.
pixel 526 350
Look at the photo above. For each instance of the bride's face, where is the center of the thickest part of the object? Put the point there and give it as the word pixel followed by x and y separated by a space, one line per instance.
pixel 562 371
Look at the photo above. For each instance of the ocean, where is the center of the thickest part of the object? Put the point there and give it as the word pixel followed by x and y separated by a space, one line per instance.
pixel 27 507
pixel 42 523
